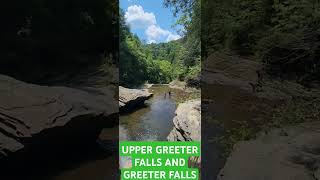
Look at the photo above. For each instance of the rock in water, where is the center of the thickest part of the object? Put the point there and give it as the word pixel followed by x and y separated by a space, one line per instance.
pixel 187 125
pixel 36 118
pixel 187 122
pixel 282 154
pixel 131 98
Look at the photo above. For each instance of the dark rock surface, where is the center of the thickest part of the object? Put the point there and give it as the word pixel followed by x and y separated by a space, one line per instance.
pixel 41 122
pixel 194 82
pixel 235 91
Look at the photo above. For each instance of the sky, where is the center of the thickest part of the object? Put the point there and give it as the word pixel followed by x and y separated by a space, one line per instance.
pixel 150 20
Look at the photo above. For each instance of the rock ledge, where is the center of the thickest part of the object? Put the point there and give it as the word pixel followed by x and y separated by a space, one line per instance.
pixel 34 119
pixel 131 98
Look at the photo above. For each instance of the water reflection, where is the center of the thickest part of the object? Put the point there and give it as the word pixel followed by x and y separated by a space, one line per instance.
pixel 154 121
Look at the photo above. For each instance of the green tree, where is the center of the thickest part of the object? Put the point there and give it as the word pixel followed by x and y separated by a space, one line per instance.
pixel 189 12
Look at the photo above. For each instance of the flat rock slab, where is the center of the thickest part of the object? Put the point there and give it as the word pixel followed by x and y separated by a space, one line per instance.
pixel 31 114
pixel 130 98
pixel 291 153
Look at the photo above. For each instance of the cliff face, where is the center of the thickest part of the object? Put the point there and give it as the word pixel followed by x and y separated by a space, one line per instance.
pixel 39 120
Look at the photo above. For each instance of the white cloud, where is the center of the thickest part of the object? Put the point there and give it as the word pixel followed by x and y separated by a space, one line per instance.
pixel 173 37
pixel 155 34
pixel 151 41
pixel 136 17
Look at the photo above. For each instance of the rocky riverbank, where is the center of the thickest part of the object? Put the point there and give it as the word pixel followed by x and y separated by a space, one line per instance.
pixel 38 122
pixel 187 125
pixel 185 86
pixel 130 99
pixel 175 84
pixel 187 122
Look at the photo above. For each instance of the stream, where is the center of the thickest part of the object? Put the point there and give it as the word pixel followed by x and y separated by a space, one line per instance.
pixel 154 121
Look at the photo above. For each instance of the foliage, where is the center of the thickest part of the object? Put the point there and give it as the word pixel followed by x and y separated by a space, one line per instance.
pixel 190 19
pixel 283 34
pixel 133 64
pixel 171 51
pixel 193 71
pixel 297 111
pixel 155 63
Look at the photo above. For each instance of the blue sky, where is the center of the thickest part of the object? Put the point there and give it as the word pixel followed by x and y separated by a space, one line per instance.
pixel 150 20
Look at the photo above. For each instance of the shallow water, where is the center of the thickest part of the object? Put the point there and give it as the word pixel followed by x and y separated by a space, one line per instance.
pixel 154 121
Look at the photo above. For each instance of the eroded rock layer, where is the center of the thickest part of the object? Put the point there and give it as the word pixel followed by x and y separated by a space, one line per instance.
pixel 34 118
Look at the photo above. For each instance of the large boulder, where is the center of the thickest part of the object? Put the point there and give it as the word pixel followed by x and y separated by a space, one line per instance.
pixel 290 153
pixel 187 122
pixel 131 98
pixel 187 126
pixel 34 119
